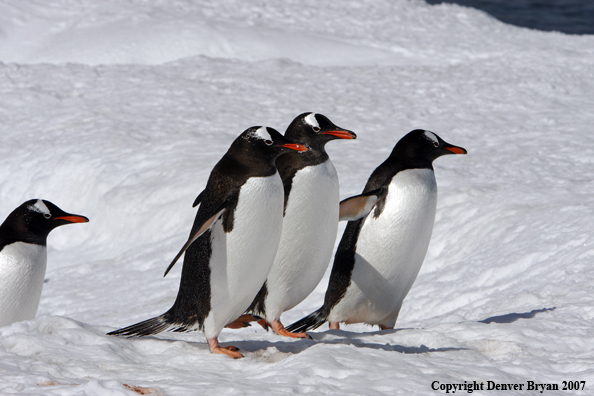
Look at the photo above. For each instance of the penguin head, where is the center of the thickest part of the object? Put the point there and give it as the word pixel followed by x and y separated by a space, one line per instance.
pixel 267 143
pixel 423 146
pixel 316 130
pixel 35 219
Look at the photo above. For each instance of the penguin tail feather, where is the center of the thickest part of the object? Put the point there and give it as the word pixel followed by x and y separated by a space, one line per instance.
pixel 149 327
pixel 310 322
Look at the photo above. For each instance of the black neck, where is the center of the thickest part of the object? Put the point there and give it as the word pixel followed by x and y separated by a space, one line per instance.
pixel 10 235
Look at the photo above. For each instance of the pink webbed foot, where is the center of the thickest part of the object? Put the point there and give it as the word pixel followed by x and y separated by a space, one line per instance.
pixel 230 351
pixel 243 321
pixel 279 329
pixel 265 325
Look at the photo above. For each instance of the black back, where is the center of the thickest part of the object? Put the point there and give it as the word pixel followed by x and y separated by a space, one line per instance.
pixel 31 223
pixel 252 154
pixel 416 150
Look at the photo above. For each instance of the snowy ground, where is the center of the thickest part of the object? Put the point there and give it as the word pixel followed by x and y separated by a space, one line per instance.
pixel 118 110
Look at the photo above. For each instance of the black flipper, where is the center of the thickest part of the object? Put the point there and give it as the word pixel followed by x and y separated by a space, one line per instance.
pixel 194 235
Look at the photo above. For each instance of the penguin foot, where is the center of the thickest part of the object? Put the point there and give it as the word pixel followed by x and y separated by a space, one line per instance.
pixel 265 325
pixel 383 327
pixel 279 329
pixel 230 351
pixel 243 321
pixel 334 326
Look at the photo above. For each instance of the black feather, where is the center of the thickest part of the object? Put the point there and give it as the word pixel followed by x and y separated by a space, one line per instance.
pixel 258 306
pixel 310 322
pixel 198 200
pixel 148 327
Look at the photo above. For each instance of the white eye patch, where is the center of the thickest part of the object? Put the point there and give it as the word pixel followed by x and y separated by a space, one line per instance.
pixel 262 133
pixel 40 207
pixel 431 137
pixel 311 120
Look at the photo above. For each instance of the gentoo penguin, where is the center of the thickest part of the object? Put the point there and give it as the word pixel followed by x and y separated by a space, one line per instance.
pixel 380 255
pixel 23 256
pixel 310 220
pixel 232 243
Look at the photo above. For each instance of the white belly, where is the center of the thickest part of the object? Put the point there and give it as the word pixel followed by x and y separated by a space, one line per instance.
pixel 22 270
pixel 390 251
pixel 241 259
pixel 307 239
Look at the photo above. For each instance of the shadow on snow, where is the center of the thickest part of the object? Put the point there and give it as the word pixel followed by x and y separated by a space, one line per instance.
pixel 358 339
pixel 512 317
pixel 337 337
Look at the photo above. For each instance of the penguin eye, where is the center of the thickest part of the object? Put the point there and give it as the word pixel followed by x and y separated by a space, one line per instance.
pixel 316 129
pixel 268 142
pixel 47 215
pixel 435 144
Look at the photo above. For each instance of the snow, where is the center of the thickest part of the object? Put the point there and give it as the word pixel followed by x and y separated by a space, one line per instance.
pixel 118 110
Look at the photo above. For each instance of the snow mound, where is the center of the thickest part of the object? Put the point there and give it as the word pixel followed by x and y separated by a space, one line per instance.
pixel 118 110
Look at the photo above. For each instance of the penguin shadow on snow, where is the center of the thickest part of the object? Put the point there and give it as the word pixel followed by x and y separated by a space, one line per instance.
pixel 359 339
pixel 512 317
pixel 338 337
pixel 371 283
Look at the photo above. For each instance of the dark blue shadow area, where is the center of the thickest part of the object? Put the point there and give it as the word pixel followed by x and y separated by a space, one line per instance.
pixel 567 16
pixel 512 317
pixel 355 339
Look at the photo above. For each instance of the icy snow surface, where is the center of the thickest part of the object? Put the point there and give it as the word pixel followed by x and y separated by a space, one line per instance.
pixel 118 110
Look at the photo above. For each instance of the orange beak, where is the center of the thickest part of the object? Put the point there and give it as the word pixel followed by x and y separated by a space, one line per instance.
pixel 73 219
pixel 456 150
pixel 341 134
pixel 294 146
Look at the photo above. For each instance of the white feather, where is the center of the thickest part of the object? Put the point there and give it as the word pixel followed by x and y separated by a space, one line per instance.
pixel 307 240
pixel 311 120
pixel 262 134
pixel 390 251
pixel 22 270
pixel 241 259
pixel 40 207
pixel 431 137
